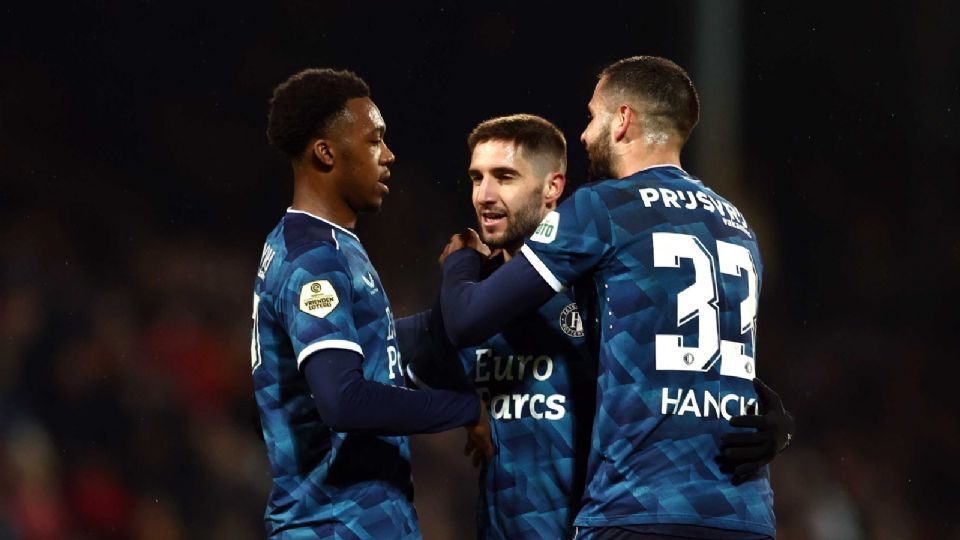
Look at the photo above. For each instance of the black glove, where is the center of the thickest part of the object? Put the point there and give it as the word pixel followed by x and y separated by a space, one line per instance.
pixel 744 453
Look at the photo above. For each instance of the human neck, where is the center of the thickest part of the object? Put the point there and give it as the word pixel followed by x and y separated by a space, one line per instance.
pixel 314 194
pixel 647 156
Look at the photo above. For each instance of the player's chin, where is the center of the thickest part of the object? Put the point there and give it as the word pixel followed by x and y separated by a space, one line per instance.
pixel 496 229
pixel 492 239
pixel 373 204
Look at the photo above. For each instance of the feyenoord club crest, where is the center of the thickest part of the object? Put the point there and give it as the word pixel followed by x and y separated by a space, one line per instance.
pixel 570 321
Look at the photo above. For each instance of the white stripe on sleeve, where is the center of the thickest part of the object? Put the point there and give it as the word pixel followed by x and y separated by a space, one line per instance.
pixel 328 344
pixel 542 269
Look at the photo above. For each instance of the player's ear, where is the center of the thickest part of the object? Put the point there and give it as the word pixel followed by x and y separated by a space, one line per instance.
pixel 621 122
pixel 321 151
pixel 554 187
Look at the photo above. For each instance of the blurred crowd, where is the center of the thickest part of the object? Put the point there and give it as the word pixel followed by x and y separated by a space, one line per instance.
pixel 125 408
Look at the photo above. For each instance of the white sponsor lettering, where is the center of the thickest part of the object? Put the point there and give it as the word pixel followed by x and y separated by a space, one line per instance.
pixel 501 368
pixel 391 326
pixel 535 411
pixel 522 365
pixel 519 406
pixel 519 400
pixel 544 362
pixel 483 368
pixel 393 361
pixel 491 369
pixel 555 407
pixel 500 407
pixel 546 231
pixel 510 367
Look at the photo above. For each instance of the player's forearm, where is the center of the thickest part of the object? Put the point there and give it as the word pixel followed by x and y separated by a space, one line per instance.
pixel 476 310
pixel 413 338
pixel 431 360
pixel 349 403
pixel 413 334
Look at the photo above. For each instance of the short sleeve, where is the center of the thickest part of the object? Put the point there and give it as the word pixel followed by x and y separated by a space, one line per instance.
pixel 317 304
pixel 571 240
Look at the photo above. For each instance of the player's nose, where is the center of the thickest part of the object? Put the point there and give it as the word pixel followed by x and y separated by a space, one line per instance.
pixel 387 157
pixel 486 190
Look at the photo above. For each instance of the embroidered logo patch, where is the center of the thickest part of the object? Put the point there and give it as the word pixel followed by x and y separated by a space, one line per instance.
pixel 318 298
pixel 547 230
pixel 570 321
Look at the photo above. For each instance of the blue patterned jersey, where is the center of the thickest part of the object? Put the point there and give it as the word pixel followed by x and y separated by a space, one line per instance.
pixel 540 386
pixel 676 273
pixel 316 289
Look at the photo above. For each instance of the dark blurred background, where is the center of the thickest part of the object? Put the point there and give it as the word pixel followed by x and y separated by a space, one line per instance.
pixel 137 188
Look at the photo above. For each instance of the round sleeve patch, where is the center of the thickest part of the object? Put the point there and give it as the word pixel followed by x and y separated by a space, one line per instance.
pixel 318 298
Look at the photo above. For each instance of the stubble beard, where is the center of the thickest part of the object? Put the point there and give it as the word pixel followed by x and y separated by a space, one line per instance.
pixel 600 155
pixel 520 224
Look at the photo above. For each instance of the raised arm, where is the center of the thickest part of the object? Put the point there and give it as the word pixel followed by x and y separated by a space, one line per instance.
pixel 476 310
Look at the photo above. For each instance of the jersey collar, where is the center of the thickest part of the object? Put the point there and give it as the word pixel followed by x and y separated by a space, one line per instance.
pixel 290 210
pixel 679 168
pixel 686 175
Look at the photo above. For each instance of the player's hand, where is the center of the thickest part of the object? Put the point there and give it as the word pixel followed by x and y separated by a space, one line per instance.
pixel 743 453
pixel 479 440
pixel 466 239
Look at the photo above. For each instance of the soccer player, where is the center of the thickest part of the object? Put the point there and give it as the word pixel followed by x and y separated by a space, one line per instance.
pixel 675 274
pixel 537 375
pixel 327 370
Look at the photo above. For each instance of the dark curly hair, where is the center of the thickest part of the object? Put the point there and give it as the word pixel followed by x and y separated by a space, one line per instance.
pixel 303 106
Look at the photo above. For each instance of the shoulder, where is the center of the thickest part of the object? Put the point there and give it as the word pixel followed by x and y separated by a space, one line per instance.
pixel 312 245
pixel 590 199
pixel 302 232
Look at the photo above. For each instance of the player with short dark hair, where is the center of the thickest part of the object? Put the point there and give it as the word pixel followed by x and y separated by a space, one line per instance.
pixel 511 142
pixel 327 368
pixel 539 373
pixel 541 142
pixel 665 90
pixel 674 274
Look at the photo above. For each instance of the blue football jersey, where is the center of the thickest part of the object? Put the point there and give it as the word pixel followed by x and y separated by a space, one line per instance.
pixel 676 275
pixel 316 289
pixel 541 387
pixel 540 384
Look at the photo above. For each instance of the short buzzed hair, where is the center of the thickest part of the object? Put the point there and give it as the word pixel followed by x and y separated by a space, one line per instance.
pixel 536 136
pixel 304 106
pixel 660 89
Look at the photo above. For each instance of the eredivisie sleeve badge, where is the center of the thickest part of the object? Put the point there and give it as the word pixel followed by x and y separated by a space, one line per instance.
pixel 318 298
